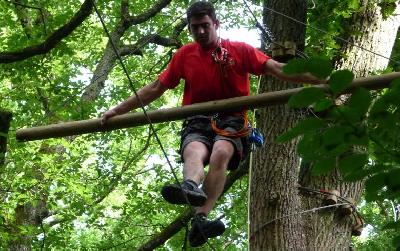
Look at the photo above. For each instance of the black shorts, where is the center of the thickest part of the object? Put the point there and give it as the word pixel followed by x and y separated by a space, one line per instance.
pixel 198 128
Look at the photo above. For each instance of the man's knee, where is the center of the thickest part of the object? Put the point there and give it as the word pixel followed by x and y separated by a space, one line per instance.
pixel 195 151
pixel 221 154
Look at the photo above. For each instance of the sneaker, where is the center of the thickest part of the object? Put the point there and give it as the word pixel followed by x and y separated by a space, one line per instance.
pixel 202 229
pixel 186 192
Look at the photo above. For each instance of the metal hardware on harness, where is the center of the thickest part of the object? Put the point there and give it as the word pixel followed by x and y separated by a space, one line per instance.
pixel 220 55
pixel 256 137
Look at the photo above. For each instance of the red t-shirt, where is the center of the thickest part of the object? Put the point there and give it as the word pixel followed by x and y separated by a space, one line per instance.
pixel 204 80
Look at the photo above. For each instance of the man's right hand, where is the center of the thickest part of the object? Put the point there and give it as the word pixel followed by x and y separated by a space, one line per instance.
pixel 108 114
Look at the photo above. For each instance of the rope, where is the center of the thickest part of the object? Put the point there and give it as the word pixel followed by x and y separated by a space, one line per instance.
pixel 244 132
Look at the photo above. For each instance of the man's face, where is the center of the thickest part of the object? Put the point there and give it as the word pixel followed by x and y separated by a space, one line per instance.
pixel 204 30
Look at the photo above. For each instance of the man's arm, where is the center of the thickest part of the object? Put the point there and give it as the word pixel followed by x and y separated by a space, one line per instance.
pixel 275 69
pixel 147 94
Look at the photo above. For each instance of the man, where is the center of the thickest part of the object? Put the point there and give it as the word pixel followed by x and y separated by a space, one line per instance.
pixel 213 69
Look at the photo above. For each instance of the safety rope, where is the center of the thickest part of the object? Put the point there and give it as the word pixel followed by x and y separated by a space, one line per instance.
pixel 244 132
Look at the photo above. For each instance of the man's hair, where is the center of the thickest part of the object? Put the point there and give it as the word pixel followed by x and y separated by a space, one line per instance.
pixel 200 9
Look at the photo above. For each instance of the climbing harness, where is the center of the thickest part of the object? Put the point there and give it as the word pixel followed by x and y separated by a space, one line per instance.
pixel 243 132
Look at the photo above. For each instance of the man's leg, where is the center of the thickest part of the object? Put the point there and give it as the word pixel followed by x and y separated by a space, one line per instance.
pixel 215 181
pixel 202 229
pixel 194 155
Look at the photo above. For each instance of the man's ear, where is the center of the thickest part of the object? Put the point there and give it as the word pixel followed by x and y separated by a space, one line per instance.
pixel 216 24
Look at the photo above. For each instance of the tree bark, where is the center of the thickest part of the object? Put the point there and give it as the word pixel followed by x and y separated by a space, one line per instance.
pixel 274 171
pixel 5 119
pixel 329 230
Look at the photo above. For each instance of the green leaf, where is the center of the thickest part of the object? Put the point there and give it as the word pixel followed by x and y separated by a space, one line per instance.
pixel 373 185
pixel 353 163
pixel 360 101
pixel 309 147
pixel 335 135
pixel 323 166
pixel 306 97
pixel 309 124
pixel 395 85
pixel 393 179
pixel 295 66
pixel 319 67
pixel 354 4
pixel 349 115
pixel 396 242
pixel 339 150
pixel 322 105
pixel 392 225
pixel 357 140
pixel 340 80
pixel 356 176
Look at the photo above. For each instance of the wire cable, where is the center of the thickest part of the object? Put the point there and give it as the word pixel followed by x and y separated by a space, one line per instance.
pixel 312 210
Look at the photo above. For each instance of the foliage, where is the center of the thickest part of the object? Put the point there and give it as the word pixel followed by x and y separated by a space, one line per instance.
pixel 379 237
pixel 101 190
pixel 360 137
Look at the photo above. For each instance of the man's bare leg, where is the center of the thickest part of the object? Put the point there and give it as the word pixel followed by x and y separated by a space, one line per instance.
pixel 194 156
pixel 215 180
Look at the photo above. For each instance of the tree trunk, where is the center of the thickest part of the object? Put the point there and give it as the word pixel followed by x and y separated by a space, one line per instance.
pixel 5 119
pixel 329 230
pixel 274 171
pixel 274 174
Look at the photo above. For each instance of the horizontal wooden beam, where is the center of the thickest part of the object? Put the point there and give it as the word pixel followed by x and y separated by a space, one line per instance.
pixel 163 115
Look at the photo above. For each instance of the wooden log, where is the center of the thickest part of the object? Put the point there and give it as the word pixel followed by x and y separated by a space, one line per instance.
pixel 332 197
pixel 346 210
pixel 357 227
pixel 163 115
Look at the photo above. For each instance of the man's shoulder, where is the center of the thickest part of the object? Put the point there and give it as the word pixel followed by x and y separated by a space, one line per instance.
pixel 236 45
pixel 188 47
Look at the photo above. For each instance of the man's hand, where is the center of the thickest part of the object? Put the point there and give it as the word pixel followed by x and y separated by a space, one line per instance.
pixel 108 114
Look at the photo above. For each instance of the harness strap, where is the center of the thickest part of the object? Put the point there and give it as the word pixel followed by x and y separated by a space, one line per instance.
pixel 244 132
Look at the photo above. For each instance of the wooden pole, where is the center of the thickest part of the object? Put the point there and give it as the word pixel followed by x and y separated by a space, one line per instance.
pixel 163 115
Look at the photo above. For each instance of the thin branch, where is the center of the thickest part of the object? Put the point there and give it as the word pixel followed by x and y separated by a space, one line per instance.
pixel 132 20
pixel 153 38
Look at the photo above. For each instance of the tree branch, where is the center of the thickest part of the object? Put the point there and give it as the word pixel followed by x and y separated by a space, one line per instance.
pixel 153 38
pixel 157 7
pixel 107 62
pixel 52 40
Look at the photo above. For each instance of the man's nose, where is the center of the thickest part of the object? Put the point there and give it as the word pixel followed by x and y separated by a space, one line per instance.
pixel 201 30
